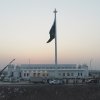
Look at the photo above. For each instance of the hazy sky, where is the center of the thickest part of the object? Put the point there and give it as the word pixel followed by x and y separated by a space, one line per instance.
pixel 25 25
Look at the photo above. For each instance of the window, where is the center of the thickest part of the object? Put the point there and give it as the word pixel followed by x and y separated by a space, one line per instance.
pixel 68 74
pixel 24 74
pixel 39 67
pixel 34 74
pixel 50 67
pixel 27 74
pixel 38 74
pixel 59 74
pixel 58 67
pixel 72 74
pixel 20 75
pixel 79 74
pixel 43 74
pixel 63 74
pixel 35 67
pixel 12 74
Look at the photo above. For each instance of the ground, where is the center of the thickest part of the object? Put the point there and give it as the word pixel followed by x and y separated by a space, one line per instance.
pixel 50 92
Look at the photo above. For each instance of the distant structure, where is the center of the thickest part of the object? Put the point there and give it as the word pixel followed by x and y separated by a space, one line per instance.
pixel 47 71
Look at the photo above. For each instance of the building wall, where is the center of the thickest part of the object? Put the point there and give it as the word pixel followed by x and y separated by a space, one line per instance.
pixel 26 71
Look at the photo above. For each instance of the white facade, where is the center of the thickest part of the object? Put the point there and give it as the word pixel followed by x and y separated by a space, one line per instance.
pixel 26 71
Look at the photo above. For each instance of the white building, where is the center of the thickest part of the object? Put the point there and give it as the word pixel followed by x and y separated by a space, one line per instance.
pixel 62 71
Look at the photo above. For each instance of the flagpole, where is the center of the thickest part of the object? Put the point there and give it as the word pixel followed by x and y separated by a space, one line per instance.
pixel 55 11
pixel 55 45
pixel 53 35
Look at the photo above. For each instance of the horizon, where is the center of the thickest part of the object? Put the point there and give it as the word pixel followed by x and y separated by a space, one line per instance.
pixel 25 26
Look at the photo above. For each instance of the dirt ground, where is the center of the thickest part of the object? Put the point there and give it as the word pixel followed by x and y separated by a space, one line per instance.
pixel 50 92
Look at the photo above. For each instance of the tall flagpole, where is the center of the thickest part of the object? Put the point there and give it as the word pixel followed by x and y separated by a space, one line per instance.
pixel 55 11
pixel 55 45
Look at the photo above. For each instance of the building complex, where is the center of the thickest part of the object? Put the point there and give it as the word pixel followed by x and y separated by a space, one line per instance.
pixel 47 71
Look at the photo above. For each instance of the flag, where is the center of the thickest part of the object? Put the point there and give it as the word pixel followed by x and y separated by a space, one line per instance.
pixel 52 32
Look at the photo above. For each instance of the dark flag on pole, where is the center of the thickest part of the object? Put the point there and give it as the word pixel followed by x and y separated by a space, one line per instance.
pixel 52 33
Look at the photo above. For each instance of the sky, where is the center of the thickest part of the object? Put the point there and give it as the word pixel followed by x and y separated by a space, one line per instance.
pixel 25 25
